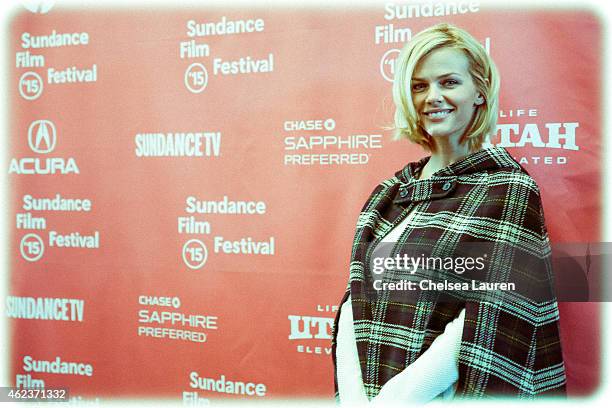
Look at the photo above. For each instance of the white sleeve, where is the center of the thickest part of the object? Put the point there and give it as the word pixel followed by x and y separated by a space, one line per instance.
pixel 433 373
pixel 348 370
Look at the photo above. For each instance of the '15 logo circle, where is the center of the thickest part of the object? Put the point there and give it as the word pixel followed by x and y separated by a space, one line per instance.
pixel 30 85
pixel 196 77
pixel 195 254
pixel 387 64
pixel 32 247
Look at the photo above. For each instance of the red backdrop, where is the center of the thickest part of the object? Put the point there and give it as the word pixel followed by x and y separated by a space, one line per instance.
pixel 303 140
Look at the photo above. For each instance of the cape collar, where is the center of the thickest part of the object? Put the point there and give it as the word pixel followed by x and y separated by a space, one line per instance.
pixel 444 181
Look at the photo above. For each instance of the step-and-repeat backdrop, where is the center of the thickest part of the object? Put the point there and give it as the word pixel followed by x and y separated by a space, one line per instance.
pixel 184 183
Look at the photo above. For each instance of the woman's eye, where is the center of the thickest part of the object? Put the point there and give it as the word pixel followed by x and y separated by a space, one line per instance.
pixel 418 87
pixel 450 82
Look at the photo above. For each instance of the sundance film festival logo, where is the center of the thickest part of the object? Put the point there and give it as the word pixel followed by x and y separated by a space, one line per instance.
pixel 42 136
pixel 38 6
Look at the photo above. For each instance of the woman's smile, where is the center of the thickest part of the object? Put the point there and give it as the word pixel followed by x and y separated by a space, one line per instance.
pixel 438 115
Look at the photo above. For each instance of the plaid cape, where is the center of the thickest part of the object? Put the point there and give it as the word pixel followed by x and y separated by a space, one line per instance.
pixel 510 345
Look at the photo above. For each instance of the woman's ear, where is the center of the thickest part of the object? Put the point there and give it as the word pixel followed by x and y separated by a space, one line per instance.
pixel 479 100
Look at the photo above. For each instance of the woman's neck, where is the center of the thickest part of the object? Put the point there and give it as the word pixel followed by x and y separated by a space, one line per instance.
pixel 444 153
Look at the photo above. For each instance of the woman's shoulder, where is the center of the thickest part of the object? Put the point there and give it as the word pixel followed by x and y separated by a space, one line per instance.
pixel 384 187
pixel 514 180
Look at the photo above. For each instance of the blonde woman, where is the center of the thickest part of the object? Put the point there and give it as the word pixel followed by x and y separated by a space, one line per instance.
pixel 393 344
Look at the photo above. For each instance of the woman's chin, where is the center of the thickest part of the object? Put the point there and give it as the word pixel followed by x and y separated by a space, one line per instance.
pixel 437 135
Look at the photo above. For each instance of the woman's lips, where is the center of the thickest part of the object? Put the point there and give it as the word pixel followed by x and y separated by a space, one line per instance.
pixel 438 115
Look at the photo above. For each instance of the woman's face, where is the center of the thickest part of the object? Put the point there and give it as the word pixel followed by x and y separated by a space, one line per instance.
pixel 444 93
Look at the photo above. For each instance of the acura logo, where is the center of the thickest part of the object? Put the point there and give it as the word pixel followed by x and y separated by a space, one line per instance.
pixel 38 6
pixel 42 136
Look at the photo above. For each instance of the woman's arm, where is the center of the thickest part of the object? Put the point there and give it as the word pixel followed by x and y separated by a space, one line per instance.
pixel 350 383
pixel 431 374
pixel 423 380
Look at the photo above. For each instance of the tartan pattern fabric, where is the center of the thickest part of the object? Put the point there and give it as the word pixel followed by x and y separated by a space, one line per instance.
pixel 510 345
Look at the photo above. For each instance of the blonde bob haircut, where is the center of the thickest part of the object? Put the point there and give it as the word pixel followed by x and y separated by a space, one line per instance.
pixel 481 67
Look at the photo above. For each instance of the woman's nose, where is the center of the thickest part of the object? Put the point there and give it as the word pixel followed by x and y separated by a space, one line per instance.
pixel 433 95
